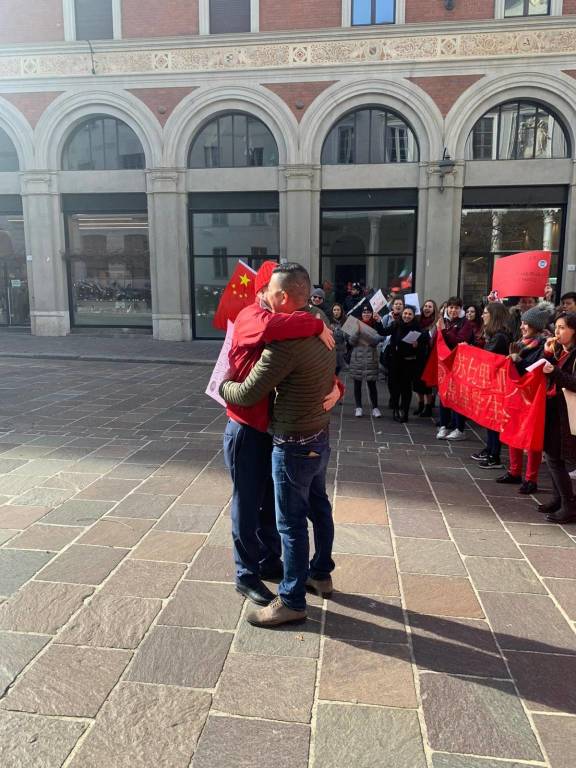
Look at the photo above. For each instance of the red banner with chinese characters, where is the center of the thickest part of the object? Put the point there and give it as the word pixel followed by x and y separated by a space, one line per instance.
pixel 487 389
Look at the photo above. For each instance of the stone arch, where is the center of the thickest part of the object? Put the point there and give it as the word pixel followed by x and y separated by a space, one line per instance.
pixel 70 109
pixel 193 112
pixel 409 101
pixel 555 91
pixel 20 133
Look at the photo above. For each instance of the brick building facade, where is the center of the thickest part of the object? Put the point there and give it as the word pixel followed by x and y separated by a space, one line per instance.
pixel 145 147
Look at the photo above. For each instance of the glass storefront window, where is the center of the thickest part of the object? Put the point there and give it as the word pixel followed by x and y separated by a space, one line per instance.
pixel 14 301
pixel 489 233
pixel 109 269
pixel 103 144
pixel 373 247
pixel 218 240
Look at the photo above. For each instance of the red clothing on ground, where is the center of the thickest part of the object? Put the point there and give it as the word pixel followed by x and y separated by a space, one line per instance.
pixel 253 329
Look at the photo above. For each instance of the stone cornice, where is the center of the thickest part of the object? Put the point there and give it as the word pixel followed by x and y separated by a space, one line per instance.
pixel 296 51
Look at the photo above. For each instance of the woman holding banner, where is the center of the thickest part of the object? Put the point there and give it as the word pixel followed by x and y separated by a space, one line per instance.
pixel 523 354
pixel 559 443
pixel 496 318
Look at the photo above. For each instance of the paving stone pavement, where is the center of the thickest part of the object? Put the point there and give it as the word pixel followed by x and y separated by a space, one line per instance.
pixel 449 641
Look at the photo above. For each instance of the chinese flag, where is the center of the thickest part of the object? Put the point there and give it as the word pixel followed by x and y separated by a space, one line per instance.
pixel 522 274
pixel 239 293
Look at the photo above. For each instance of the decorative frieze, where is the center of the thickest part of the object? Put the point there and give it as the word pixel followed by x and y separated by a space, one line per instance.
pixel 322 53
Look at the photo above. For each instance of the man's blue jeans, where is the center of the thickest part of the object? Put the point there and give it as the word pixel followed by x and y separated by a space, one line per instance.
pixel 299 471
pixel 248 455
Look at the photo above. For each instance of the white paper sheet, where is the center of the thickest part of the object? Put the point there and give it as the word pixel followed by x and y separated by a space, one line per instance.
pixel 377 301
pixel 411 337
pixel 412 300
pixel 351 325
pixel 221 368
pixel 536 365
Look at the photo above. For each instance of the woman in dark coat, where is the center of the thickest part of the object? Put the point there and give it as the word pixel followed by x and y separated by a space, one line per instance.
pixel 337 319
pixel 559 443
pixel 427 322
pixel 498 339
pixel 406 362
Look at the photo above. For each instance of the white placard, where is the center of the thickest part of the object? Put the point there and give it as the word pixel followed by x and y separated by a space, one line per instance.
pixel 378 301
pixel 221 368
pixel 412 300
pixel 536 365
pixel 411 337
pixel 351 325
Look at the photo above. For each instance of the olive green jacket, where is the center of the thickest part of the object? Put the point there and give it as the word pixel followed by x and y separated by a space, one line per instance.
pixel 302 372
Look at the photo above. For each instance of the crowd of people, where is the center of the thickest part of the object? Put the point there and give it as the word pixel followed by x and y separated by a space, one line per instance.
pixel 394 345
pixel 287 348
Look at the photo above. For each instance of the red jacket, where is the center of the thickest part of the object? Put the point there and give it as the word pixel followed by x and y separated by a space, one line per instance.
pixel 253 329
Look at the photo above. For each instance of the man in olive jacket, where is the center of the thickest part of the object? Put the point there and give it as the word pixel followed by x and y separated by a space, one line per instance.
pixel 302 372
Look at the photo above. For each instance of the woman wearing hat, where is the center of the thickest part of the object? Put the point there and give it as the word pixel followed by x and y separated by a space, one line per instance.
pixel 524 353
pixel 364 359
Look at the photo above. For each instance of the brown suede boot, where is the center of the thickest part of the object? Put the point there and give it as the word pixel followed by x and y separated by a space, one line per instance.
pixel 274 614
pixel 321 587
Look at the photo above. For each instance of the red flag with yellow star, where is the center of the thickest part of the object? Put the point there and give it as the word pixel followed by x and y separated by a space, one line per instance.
pixel 239 293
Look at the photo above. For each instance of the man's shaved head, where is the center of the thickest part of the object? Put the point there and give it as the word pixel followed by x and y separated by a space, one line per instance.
pixel 293 280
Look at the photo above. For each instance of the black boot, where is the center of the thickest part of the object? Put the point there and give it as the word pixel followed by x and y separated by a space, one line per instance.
pixel 419 411
pixel 396 414
pixel 566 514
pixel 404 417
pixel 426 412
pixel 548 509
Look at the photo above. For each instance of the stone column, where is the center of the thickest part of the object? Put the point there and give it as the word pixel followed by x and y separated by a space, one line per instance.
pixel 299 187
pixel 169 258
pixel 44 231
pixel 438 247
pixel 569 276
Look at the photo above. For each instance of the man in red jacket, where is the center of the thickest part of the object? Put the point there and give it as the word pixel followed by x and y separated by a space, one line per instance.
pixel 248 446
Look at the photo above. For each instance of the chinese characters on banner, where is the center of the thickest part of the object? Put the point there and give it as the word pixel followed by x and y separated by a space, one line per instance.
pixel 487 389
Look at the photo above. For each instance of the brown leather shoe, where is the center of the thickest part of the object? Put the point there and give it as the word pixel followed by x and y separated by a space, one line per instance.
pixel 275 614
pixel 322 587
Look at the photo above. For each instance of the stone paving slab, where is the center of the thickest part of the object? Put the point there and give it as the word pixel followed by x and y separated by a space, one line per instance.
pixel 445 584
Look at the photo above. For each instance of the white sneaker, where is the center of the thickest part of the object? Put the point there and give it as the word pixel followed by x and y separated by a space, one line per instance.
pixel 442 433
pixel 456 435
pixel 376 413
pixel 358 412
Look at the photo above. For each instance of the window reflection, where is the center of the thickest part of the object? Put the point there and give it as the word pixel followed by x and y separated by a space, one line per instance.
pixel 517 131
pixel 373 247
pixel 219 239
pixel 8 156
pixel 233 140
pixel 103 144
pixel 14 301
pixel 109 269
pixel 490 233
pixel 370 135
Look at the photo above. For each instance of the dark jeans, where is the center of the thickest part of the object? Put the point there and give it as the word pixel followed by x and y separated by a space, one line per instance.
pixel 372 391
pixel 400 385
pixel 493 444
pixel 451 419
pixel 248 456
pixel 299 472
pixel 561 481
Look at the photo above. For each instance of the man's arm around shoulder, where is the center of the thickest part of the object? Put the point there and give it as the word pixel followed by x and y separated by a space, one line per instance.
pixel 275 363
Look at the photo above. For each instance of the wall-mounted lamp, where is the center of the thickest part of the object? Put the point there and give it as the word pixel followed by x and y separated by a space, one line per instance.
pixel 449 5
pixel 445 167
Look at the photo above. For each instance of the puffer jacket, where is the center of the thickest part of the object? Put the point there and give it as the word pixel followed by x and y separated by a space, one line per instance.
pixel 364 361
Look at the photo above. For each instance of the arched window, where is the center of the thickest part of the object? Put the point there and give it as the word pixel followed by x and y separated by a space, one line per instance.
pixel 8 156
pixel 233 140
pixel 103 143
pixel 518 130
pixel 370 135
